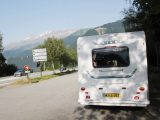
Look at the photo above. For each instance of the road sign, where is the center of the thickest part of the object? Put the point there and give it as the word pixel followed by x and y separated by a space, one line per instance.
pixel 39 55
pixel 27 71
pixel 26 67
pixel 39 58
pixel 39 50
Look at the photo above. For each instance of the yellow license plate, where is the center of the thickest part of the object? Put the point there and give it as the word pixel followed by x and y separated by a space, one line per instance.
pixel 112 95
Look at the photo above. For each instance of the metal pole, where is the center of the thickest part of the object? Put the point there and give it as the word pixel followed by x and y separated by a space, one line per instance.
pixel 53 67
pixel 30 81
pixel 44 66
pixel 41 68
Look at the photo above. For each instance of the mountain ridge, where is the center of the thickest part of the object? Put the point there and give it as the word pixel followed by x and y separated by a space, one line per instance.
pixel 114 27
pixel 15 54
pixel 40 38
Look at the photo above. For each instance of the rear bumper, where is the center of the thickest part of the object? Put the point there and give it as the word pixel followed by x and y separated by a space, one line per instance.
pixel 118 103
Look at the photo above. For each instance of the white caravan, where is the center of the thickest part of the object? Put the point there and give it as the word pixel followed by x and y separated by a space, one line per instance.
pixel 112 70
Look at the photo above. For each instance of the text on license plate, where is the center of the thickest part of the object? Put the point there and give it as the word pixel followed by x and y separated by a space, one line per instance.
pixel 111 95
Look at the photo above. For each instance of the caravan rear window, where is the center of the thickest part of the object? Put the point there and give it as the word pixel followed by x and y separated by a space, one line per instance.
pixel 110 57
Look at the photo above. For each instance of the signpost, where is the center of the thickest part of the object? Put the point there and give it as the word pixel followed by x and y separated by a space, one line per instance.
pixel 26 68
pixel 27 71
pixel 39 55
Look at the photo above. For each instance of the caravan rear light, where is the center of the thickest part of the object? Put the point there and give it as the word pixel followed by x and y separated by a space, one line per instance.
pixel 82 88
pixel 141 88
pixel 86 92
pixel 87 97
pixel 136 97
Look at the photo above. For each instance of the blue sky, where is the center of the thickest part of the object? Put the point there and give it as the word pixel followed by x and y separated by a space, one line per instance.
pixel 22 18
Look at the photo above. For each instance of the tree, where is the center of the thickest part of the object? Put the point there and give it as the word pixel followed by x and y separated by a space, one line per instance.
pixel 55 50
pixel 58 54
pixel 2 59
pixel 5 69
pixel 145 15
pixel 69 58
pixel 73 57
pixel 1 47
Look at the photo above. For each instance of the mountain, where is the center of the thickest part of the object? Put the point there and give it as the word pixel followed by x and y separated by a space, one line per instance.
pixel 24 47
pixel 114 27
pixel 20 53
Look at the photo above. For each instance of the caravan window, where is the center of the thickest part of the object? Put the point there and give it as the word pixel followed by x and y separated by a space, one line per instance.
pixel 110 57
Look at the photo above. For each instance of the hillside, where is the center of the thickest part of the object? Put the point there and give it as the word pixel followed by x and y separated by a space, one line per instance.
pixel 24 47
pixel 114 27
pixel 15 53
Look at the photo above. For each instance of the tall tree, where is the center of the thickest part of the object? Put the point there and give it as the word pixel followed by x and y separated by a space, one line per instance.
pixel 2 58
pixel 58 54
pixel 55 50
pixel 145 15
pixel 1 47
pixel 5 69
pixel 70 57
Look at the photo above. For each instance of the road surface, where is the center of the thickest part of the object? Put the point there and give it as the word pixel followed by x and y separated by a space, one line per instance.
pixel 56 99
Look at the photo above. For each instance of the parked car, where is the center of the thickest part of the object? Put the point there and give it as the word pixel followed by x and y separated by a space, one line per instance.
pixel 63 69
pixel 19 73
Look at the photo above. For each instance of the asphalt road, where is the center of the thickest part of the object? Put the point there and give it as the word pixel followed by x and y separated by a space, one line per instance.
pixel 56 99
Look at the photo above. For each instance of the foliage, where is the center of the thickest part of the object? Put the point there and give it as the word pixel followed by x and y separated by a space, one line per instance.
pixel 2 64
pixel 69 58
pixel 131 22
pixel 55 49
pixel 1 47
pixel 145 15
pixel 10 69
pixel 2 59
pixel 58 53
pixel 6 69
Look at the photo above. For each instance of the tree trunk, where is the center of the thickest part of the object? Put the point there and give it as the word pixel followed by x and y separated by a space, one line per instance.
pixel 157 56
pixel 53 67
pixel 44 66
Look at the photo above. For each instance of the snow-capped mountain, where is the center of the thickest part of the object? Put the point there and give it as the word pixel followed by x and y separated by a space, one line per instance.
pixel 33 41
pixel 17 52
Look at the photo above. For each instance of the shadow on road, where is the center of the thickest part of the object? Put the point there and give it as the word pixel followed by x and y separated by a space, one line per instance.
pixel 151 112
pixel 110 113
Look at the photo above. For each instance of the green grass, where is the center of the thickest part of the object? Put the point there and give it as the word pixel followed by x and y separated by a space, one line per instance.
pixel 46 77
pixel 38 79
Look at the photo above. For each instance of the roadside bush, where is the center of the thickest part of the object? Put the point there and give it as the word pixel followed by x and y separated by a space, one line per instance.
pixel 6 70
pixel 2 70
pixel 10 69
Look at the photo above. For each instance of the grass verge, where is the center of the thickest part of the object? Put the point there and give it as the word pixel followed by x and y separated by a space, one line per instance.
pixel 38 79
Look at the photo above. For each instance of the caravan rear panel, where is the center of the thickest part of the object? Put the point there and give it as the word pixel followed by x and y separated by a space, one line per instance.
pixel 112 70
